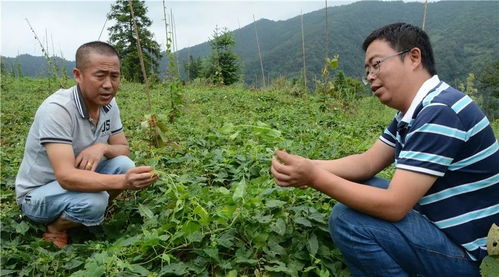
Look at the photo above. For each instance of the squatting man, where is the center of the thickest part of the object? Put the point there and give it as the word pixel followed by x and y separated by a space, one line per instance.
pixel 76 155
pixel 432 217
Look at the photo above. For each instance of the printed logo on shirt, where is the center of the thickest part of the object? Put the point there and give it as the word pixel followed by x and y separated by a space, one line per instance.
pixel 106 126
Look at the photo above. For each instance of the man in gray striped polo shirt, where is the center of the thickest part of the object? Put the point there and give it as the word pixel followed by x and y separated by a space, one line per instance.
pixel 76 155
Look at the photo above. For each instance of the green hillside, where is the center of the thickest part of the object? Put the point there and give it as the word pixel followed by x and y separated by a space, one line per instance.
pixel 464 34
pixel 36 66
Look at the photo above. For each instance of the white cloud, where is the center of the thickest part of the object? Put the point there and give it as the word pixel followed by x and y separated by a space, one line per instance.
pixel 63 25
pixel 69 24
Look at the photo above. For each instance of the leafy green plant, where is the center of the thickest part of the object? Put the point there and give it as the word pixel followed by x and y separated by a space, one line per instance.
pixel 175 86
pixel 215 211
pixel 156 125
pixel 340 87
pixel 490 264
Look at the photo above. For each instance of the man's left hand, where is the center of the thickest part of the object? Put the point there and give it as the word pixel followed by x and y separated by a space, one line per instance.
pixel 292 170
pixel 89 158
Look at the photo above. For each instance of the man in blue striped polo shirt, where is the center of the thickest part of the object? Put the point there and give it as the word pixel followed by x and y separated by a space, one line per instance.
pixel 432 218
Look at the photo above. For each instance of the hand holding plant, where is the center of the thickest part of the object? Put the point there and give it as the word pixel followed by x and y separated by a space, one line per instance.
pixel 140 178
pixel 292 170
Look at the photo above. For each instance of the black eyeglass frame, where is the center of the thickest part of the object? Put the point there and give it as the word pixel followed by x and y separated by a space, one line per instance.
pixel 377 66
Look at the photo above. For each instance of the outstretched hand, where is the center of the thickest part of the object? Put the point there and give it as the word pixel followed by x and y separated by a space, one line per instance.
pixel 292 170
pixel 140 177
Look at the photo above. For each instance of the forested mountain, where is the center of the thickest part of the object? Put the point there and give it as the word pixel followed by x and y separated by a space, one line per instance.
pixel 35 66
pixel 465 35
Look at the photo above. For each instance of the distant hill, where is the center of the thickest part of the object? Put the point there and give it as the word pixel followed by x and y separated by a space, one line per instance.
pixel 465 35
pixel 35 66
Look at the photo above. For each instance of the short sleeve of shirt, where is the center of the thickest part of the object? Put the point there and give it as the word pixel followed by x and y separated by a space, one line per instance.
pixel 55 124
pixel 116 125
pixel 389 134
pixel 432 142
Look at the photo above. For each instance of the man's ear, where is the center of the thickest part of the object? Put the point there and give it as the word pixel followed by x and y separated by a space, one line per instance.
pixel 77 74
pixel 415 57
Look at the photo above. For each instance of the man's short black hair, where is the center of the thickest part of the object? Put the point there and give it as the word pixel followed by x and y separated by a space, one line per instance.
pixel 403 36
pixel 93 47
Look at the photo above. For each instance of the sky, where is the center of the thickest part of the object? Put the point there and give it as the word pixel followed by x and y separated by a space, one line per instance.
pixel 65 25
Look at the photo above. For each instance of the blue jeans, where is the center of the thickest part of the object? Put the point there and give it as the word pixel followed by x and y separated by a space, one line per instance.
pixel 48 202
pixel 412 246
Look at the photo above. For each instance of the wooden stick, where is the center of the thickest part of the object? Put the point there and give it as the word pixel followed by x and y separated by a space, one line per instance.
pixel 424 14
pixel 303 50
pixel 139 50
pixel 259 53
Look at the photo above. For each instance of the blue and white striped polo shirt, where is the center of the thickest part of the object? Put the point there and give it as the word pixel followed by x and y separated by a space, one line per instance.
pixel 446 135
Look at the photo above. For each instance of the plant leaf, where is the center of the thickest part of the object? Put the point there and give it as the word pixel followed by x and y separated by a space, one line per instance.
pixel 279 227
pixel 240 191
pixel 274 203
pixel 303 221
pixel 145 211
pixel 313 244
pixel 22 228
pixel 139 269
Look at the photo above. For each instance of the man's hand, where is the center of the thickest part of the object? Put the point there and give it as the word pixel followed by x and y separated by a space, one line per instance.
pixel 140 177
pixel 292 170
pixel 89 158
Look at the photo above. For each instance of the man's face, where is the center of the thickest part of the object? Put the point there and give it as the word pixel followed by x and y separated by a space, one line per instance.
pixel 388 77
pixel 99 79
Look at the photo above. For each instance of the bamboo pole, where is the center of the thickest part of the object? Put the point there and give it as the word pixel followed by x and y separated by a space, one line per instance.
pixel 172 39
pixel 424 14
pixel 165 20
pixel 327 35
pixel 169 41
pixel 259 53
pixel 174 36
pixel 53 48
pixel 46 54
pixel 303 52
pixel 47 42
pixel 103 26
pixel 141 56
pixel 139 47
pixel 189 64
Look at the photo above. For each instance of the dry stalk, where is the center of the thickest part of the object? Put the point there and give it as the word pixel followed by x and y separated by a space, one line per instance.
pixel 46 54
pixel 327 35
pixel 424 14
pixel 259 53
pixel 141 56
pixel 303 49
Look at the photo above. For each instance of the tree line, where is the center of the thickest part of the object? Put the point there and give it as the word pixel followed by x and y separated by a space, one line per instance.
pixel 222 65
pixel 227 61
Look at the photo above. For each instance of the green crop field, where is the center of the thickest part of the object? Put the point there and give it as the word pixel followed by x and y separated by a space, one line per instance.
pixel 215 210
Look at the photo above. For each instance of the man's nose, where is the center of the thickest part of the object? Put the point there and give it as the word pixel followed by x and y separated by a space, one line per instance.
pixel 370 76
pixel 107 82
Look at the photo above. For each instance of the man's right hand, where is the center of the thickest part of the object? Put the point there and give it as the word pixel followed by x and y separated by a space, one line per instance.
pixel 139 177
pixel 89 158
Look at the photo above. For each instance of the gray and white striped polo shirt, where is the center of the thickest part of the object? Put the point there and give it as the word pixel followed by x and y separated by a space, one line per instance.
pixel 62 118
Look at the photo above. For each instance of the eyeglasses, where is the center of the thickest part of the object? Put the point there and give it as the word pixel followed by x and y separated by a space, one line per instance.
pixel 375 68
